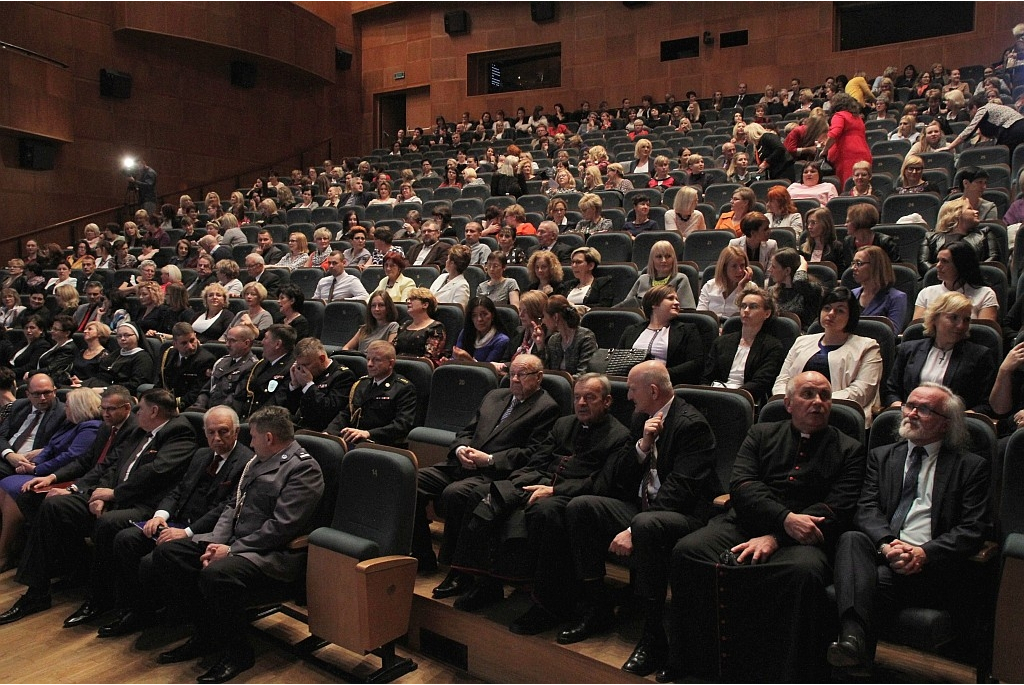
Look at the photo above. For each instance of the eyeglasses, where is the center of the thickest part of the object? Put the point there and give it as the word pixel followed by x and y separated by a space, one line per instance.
pixel 522 374
pixel 915 169
pixel 857 263
pixel 125 336
pixel 923 410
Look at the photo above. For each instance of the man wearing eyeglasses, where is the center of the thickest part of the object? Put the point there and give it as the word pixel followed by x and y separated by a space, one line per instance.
pixel 31 423
pixel 923 512
pixel 431 250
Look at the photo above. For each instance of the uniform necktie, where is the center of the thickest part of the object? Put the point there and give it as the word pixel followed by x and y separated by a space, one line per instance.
pixel 25 434
pixel 909 492
pixel 106 446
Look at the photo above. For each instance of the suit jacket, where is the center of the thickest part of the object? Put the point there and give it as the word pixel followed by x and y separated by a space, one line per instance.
pixel 53 422
pixel 195 288
pixel 185 381
pixel 317 407
pixel 101 276
pixel 28 360
pixel 387 411
pixel 437 254
pixel 602 291
pixel 157 469
pixel 562 251
pixel 577 357
pixel 971 372
pixel 959 500
pixel 685 462
pixel 90 311
pixel 269 280
pixel 361 199
pixel 685 354
pixel 57 362
pixel 764 360
pixel 84 471
pixel 511 442
pixel 198 504
pixel 280 496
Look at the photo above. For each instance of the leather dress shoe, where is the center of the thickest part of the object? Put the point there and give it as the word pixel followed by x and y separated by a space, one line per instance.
pixel 193 649
pixel 25 606
pixel 227 668
pixel 126 623
pixel 648 654
pixel 848 652
pixel 484 593
pixel 669 674
pixel 536 620
pixel 89 610
pixel 455 583
pixel 594 619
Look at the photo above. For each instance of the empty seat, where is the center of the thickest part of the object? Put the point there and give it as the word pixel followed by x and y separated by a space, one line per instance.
pixel 456 391
pixel 608 324
pixel 614 246
pixel 341 321
pixel 984 156
pixel 704 247
pixel 925 204
pixel 323 214
pixel 299 215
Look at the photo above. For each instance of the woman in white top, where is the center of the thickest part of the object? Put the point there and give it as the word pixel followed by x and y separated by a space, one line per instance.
pixel 811 186
pixel 907 130
pixel 732 273
pixel 384 196
pixel 63 277
pixel 227 275
pixel 851 363
pixel 662 269
pixel 10 307
pixel 684 217
pixel 452 286
pixel 215 319
pixel 643 164
pixel 959 271
pixel 782 213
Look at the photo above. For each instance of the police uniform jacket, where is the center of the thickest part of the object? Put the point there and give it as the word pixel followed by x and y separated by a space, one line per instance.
pixel 386 409
pixel 327 394
pixel 185 380
pixel 227 375
pixel 266 385
pixel 275 502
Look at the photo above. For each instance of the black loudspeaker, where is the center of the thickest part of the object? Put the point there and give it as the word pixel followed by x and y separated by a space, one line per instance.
pixel 542 12
pixel 342 60
pixel 36 154
pixel 456 22
pixel 243 74
pixel 115 84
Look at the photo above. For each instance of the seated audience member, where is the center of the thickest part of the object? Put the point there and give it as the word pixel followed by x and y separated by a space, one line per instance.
pixel 226 384
pixel 204 276
pixel 755 241
pixel 876 289
pixel 58 360
pixel 10 306
pixel 782 213
pixel 588 289
pixel 100 504
pixel 569 346
pixel 547 239
pixel 483 338
pixel 732 273
pixel 545 273
pixel 695 176
pixel 812 187
pixel 432 250
pixel 88 360
pixel 973 183
pixel 381 323
pixel 793 291
pixel 515 216
pixel 851 363
pixel 395 283
pixel 36 308
pixel 338 284
pixel 31 424
pixel 257 272
pixel 590 207
pixel 191 508
pixel 298 255
pixel 616 179
pixel 247 548
pixel 911 179
pixel 819 242
pixel 213 321
pixel 641 220
pixel 742 203
pixel 422 335
pixel 184 365
pixel 266 248
pixel 506 239
pixel 959 271
pixel 152 316
pixel 945 356
pixel 769 550
pixel 750 358
pixel 267 382
pixel 906 548
pixel 451 286
pixel 357 256
pixel 672 342
pixel 382 404
pixel 861 219
pixel 662 269
pixel 861 174
pixel 498 288
pixel 131 367
pixel 318 386
pixel 958 222
pixel 227 275
pixel 684 217
pixel 478 250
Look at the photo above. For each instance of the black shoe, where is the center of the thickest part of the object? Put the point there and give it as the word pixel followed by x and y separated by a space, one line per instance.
pixel 649 653
pixel 193 649
pixel 669 674
pixel 536 620
pixel 482 594
pixel 227 668
pixel 594 619
pixel 455 583
pixel 848 652
pixel 25 606
pixel 89 610
pixel 126 623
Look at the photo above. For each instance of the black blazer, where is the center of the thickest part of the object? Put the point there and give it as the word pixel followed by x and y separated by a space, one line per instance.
pixel 771 150
pixel 217 328
pixel 29 359
pixel 85 471
pixel 511 442
pixel 685 357
pixel 602 293
pixel 971 372
pixel 161 319
pixel 764 361
pixel 269 280
pixel 562 251
pixel 57 362
pixel 200 508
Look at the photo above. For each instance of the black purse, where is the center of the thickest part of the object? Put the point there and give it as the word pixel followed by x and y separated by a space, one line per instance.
pixel 618 361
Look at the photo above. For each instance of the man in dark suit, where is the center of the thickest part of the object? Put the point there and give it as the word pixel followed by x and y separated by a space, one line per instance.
pixel 91 275
pixel 506 432
pixel 96 308
pixel 547 239
pixel 31 423
pixel 192 508
pixel 432 250
pixel 318 386
pixel 185 365
pixel 147 465
pixel 215 575
pixel 923 512
pixel 676 449
pixel 204 276
pixel 382 404
pixel 741 100
pixel 255 265
pixel 356 195
pixel 265 247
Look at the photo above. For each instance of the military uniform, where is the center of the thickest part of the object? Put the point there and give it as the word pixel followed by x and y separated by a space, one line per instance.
pixel 185 377
pixel 386 409
pixel 266 385
pixel 327 393
pixel 222 388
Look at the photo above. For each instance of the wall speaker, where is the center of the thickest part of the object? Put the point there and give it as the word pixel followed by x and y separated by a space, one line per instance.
pixel 115 84
pixel 243 74
pixel 456 22
pixel 36 154
pixel 542 12
pixel 342 59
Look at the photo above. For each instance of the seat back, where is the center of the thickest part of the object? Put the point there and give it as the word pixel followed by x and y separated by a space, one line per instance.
pixel 558 384
pixel 730 413
pixel 329 453
pixel 839 206
pixel 306 279
pixel 909 239
pixel 419 371
pixel 613 246
pixel 456 392
pixel 704 247
pixel 846 416
pixel 925 204
pixel 341 321
pixel 623 277
pixel 609 323
pixel 707 325
pixel 782 328
pixel 355 361
pixel 981 433
pixel 645 241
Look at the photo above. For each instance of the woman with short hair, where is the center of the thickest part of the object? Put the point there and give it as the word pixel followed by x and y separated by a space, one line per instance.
pixel 451 287
pixel 675 343
pixel 421 336
pixel 569 346
pixel 590 207
pixel 254 315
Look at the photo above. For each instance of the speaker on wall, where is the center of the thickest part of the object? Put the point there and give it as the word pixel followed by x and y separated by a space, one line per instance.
pixel 456 22
pixel 36 154
pixel 542 12
pixel 342 59
pixel 243 74
pixel 115 84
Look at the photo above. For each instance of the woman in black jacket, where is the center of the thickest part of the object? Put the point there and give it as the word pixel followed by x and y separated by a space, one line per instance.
pixel 588 289
pixel 26 358
pixel 59 359
pixel 665 337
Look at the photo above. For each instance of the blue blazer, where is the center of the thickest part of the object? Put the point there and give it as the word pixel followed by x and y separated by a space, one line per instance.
pixel 891 303
pixel 971 372
pixel 66 446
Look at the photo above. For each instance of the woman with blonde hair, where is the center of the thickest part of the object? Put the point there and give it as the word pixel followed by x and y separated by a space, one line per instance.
pixel 254 314
pixel 298 255
pixel 684 217
pixel 662 269
pixel 732 273
pixel 67 299
pixel 616 178
pixel 322 247
pixel 931 141
pixel 211 323
pixel 590 207
pixel 958 222
pixel 912 178
pixel 770 153
pixel 599 156
pixel 152 316
pixel 545 273
pixel 592 179
pixel 564 183
pixel 642 161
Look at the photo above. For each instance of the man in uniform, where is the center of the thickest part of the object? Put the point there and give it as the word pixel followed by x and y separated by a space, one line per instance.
pixel 227 380
pixel 317 386
pixel 215 575
pixel 268 381
pixel 185 365
pixel 382 404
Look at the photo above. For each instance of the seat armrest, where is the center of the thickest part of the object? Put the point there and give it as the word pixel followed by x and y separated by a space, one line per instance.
pixel 387 563
pixel 301 542
pixel 723 501
pixel 344 543
pixel 988 552
pixel 1013 546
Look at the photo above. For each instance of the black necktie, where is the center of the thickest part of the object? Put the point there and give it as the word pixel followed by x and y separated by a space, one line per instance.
pixel 909 492
pixel 214 466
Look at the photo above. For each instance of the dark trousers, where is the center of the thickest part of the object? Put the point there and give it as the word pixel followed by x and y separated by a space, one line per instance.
pixel 449 487
pixel 593 523
pixel 132 555
pixel 655 534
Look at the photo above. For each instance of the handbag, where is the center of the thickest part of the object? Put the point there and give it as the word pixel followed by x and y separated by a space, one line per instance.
pixel 618 361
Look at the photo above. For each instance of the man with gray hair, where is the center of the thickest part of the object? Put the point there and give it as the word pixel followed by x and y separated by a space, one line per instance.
pixel 255 266
pixel 547 239
pixel 923 512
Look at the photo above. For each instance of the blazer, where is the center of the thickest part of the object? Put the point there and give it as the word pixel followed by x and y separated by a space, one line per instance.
pixel 562 251
pixel 199 508
pixel 66 446
pixel 437 254
pixel 185 381
pixel 29 359
pixel 84 470
pixel 387 411
pixel 971 372
pixel 511 442
pixel 269 280
pixel 602 291
pixel 314 409
pixel 57 362
pixel 959 500
pixel 765 250
pixel 890 303
pixel 764 361
pixel 577 357
pixel 52 423
pixel 685 354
